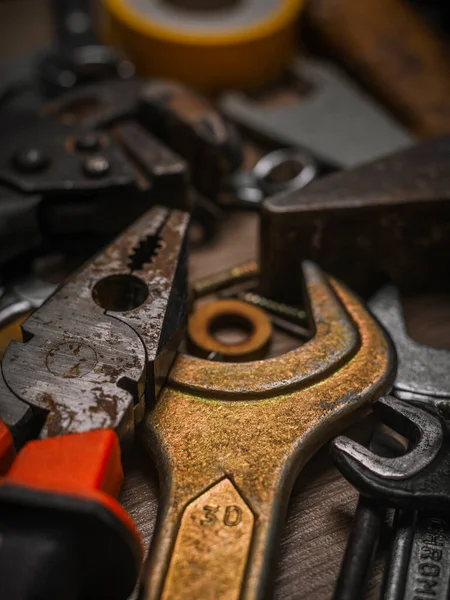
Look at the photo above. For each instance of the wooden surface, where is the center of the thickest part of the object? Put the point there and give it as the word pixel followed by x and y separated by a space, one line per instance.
pixel 390 49
pixel 322 503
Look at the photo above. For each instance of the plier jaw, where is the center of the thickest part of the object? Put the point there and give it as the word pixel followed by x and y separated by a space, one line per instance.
pixel 98 351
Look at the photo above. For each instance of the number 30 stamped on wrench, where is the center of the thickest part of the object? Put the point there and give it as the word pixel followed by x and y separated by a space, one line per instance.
pixel 231 438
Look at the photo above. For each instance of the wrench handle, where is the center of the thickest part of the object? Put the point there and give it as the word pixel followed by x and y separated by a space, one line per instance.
pixel 419 565
pixel 213 547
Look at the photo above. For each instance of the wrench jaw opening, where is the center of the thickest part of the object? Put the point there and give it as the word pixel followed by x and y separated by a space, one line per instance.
pixel 418 479
pixel 423 372
pixel 230 439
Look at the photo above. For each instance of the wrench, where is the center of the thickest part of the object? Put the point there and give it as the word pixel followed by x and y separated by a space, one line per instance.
pixel 422 376
pixel 418 479
pixel 423 372
pixel 230 439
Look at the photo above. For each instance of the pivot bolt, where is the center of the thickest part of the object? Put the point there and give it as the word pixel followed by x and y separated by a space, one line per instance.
pixel 89 142
pixel 96 166
pixel 31 160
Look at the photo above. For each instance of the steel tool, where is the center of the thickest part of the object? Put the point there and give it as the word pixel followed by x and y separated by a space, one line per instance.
pixel 334 122
pixel 94 358
pixel 423 372
pixel 74 346
pixel 422 377
pixel 360 552
pixel 64 172
pixel 386 221
pixel 416 480
pixel 231 438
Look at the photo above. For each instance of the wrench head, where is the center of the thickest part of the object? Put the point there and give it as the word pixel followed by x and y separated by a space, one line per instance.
pixel 233 437
pixel 423 372
pixel 418 478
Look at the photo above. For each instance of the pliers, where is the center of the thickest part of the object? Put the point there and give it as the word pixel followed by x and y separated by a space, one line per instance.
pixel 94 357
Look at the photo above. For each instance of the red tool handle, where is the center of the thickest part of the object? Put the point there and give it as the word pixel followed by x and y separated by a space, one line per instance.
pixel 64 534
pixel 7 450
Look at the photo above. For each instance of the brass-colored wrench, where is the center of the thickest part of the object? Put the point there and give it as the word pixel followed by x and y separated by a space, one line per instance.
pixel 231 438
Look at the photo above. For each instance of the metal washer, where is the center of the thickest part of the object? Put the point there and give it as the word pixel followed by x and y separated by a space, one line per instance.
pixel 201 336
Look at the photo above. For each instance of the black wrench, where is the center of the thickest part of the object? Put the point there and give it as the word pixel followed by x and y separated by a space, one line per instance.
pixel 418 480
pixel 423 376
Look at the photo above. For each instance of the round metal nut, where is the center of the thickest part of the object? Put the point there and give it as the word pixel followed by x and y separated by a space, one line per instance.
pixel 30 160
pixel 96 166
pixel 209 317
pixel 88 142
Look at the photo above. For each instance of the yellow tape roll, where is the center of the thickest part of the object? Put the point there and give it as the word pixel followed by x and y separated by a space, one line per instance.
pixel 242 45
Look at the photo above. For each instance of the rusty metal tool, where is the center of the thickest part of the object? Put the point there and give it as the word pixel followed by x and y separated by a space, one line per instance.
pixel 230 440
pixel 94 358
pixel 100 347
pixel 422 377
pixel 385 221
pixel 391 50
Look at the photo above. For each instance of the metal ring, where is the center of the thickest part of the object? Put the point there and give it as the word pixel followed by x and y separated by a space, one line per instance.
pixel 278 158
pixel 203 321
